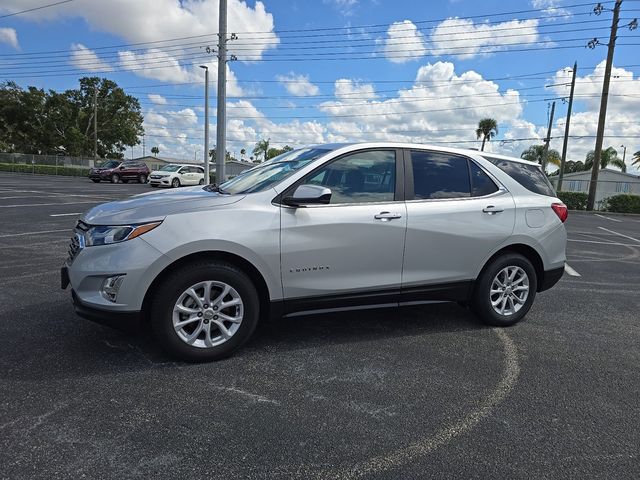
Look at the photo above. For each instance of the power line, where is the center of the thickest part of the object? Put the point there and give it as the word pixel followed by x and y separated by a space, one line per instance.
pixel 36 8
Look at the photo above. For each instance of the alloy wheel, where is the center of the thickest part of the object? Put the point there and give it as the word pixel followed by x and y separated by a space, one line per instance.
pixel 509 290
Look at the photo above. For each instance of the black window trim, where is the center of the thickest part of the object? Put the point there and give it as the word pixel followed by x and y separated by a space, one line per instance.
pixel 399 195
pixel 409 186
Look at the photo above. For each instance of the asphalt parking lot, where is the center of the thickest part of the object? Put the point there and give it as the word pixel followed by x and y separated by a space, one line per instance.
pixel 409 393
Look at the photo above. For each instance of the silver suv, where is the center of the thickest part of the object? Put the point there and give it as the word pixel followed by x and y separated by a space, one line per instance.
pixel 325 228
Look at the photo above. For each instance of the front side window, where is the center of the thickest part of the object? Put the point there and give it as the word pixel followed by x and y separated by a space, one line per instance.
pixel 110 164
pixel 439 175
pixel 170 168
pixel 362 177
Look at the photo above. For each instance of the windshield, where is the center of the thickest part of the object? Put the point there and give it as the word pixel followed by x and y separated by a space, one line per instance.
pixel 272 171
pixel 110 164
pixel 170 168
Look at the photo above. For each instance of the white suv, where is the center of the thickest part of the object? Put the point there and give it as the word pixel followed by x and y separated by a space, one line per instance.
pixel 324 228
pixel 174 175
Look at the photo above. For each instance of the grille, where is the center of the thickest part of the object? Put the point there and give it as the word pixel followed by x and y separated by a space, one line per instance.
pixel 155 176
pixel 74 248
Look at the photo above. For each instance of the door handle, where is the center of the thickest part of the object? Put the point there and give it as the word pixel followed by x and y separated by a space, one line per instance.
pixel 386 216
pixel 491 210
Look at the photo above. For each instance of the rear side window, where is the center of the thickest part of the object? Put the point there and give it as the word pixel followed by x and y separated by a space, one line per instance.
pixel 529 176
pixel 439 175
pixel 481 184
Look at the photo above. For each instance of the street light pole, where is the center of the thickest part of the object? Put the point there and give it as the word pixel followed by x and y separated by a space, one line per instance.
pixel 624 153
pixel 206 124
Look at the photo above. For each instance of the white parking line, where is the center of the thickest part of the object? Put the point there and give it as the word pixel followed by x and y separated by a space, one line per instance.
pixel 602 243
pixel 64 214
pixel 34 233
pixel 571 271
pixel 44 204
pixel 607 218
pixel 620 234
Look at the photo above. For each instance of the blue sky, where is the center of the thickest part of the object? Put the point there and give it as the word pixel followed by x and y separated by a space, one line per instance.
pixel 334 70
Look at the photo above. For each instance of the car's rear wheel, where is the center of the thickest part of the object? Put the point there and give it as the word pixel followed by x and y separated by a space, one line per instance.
pixel 204 311
pixel 95 180
pixel 505 290
pixel 175 183
pixel 201 182
pixel 115 178
pixel 142 178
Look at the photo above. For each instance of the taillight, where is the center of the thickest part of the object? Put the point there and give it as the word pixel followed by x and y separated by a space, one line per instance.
pixel 561 211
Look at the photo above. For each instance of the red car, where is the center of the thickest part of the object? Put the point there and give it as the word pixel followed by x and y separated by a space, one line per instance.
pixel 118 170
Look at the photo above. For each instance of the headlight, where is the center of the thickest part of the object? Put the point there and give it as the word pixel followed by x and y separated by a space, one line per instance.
pixel 105 235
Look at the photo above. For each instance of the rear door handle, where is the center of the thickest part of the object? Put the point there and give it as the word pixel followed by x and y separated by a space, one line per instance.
pixel 491 210
pixel 386 216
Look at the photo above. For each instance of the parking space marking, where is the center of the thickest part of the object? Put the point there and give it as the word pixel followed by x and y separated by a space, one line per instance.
pixel 571 271
pixel 33 233
pixel 620 234
pixel 64 214
pixel 607 218
pixel 602 243
pixel 45 204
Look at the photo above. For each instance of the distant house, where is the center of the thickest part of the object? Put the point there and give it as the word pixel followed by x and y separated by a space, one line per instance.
pixel 610 182
pixel 232 167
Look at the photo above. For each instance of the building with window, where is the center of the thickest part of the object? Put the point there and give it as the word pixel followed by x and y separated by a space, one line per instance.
pixel 610 182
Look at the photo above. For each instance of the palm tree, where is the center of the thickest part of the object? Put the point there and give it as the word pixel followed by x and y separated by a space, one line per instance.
pixel 487 129
pixel 607 157
pixel 636 158
pixel 243 152
pixel 155 151
pixel 535 153
pixel 262 148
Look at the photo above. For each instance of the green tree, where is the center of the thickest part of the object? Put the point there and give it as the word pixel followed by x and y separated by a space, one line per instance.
pixel 487 129
pixel 608 157
pixel 155 151
pixel 261 149
pixel 636 158
pixel 227 155
pixel 274 152
pixel 535 153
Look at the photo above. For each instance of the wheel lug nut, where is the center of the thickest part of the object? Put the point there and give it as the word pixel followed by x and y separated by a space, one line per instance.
pixel 215 308
pixel 215 317
pixel 199 314
pixel 206 306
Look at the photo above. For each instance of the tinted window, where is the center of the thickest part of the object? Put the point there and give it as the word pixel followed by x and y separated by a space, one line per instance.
pixel 439 175
pixel 529 176
pixel 359 178
pixel 481 184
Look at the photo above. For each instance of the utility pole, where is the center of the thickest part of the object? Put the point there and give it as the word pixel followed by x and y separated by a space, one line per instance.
pixel 144 150
pixel 95 122
pixel 545 153
pixel 591 200
pixel 624 153
pixel 222 93
pixel 566 127
pixel 206 125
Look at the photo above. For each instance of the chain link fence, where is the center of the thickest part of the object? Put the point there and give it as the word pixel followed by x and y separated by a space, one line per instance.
pixel 50 160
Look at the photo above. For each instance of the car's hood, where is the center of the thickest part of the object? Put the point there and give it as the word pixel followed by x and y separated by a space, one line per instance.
pixel 156 205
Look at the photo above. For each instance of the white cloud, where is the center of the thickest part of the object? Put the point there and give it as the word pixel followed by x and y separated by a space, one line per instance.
pixel 551 8
pixel 157 99
pixel 298 85
pixel 10 37
pixel 345 7
pixel 86 59
pixel 404 42
pixel 347 89
pixel 465 39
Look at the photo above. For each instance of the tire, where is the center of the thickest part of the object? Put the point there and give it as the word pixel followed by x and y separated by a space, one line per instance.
pixel 142 178
pixel 125 181
pixel 175 183
pixel 95 180
pixel 172 292
pixel 514 308
pixel 115 178
pixel 201 182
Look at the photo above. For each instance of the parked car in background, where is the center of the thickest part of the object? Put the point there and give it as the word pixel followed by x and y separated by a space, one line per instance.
pixel 116 171
pixel 176 175
pixel 325 228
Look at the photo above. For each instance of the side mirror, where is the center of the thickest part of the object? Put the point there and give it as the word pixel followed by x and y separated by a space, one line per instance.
pixel 308 195
pixel 121 167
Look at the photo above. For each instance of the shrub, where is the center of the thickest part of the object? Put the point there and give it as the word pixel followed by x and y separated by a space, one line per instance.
pixel 574 200
pixel 623 203
pixel 44 169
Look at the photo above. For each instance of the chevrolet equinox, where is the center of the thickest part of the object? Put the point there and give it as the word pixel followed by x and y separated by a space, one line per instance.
pixel 324 228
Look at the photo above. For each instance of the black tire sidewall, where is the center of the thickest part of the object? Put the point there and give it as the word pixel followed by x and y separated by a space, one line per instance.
pixel 161 311
pixel 481 301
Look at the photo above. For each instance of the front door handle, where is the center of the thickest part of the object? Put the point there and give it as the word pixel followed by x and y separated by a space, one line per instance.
pixel 386 216
pixel 491 210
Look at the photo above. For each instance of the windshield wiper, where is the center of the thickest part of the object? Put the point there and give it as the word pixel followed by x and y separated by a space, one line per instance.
pixel 213 188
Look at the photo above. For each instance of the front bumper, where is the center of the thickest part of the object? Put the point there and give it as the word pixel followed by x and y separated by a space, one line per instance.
pixel 122 320
pixel 163 181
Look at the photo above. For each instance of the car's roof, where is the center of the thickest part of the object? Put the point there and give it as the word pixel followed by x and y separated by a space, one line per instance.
pixel 462 151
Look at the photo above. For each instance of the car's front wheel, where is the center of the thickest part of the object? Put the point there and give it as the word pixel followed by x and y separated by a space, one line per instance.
pixel 115 178
pixel 505 290
pixel 204 311
pixel 175 183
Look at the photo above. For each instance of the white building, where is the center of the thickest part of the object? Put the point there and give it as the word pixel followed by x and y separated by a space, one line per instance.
pixel 610 183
